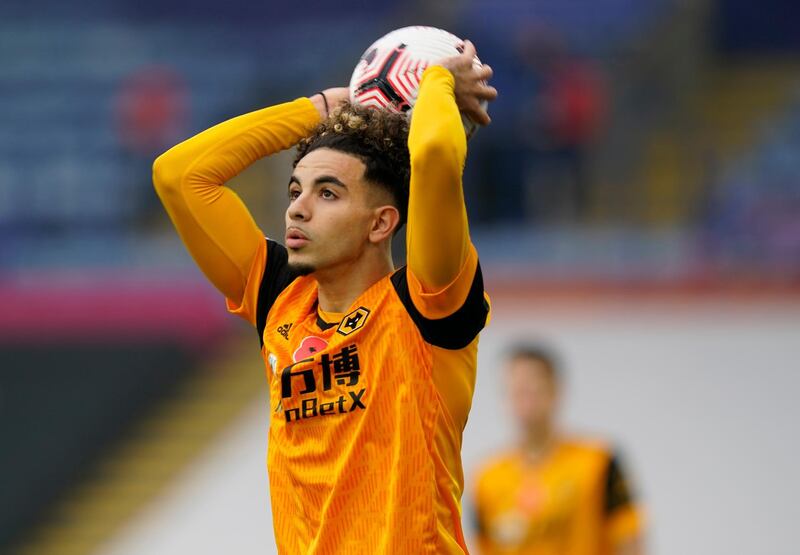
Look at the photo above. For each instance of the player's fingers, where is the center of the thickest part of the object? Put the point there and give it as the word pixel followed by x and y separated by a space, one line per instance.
pixel 486 92
pixel 469 50
pixel 482 117
pixel 337 96
pixel 484 72
pixel 477 113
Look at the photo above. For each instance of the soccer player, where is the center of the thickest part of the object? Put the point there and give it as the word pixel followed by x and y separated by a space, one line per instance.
pixel 371 370
pixel 552 494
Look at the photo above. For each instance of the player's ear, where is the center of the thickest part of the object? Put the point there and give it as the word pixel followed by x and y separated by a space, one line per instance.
pixel 385 221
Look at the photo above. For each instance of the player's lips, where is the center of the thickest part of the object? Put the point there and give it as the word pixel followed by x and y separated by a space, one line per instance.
pixel 295 238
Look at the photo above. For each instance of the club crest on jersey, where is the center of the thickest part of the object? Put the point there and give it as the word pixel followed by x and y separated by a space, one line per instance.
pixel 353 321
pixel 309 347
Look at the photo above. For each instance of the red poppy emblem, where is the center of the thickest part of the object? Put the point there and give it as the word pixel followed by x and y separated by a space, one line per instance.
pixel 309 347
pixel 531 497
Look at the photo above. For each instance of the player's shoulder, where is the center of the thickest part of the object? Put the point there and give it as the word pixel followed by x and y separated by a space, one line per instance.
pixel 298 286
pixel 279 286
pixel 454 331
pixel 498 465
pixel 587 446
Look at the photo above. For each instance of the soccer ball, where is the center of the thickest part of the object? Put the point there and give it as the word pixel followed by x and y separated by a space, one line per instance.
pixel 389 71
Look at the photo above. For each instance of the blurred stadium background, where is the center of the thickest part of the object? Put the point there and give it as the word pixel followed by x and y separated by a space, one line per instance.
pixel 636 204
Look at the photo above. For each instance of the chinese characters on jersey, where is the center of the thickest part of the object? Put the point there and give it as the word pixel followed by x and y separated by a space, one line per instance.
pixel 312 376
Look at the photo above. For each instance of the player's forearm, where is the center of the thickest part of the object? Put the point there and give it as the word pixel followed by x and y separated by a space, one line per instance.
pixel 438 232
pixel 218 154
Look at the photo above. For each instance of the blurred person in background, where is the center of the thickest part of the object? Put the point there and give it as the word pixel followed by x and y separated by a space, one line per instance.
pixel 152 112
pixel 552 494
pixel 558 123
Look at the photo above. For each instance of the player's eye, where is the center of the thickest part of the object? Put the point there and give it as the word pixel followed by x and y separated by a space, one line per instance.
pixel 293 194
pixel 327 194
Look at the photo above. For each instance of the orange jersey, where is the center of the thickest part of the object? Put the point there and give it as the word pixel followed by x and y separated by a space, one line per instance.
pixel 574 502
pixel 367 415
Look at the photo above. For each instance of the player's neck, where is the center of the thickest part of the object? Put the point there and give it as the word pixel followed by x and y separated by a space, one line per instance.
pixel 340 286
pixel 538 441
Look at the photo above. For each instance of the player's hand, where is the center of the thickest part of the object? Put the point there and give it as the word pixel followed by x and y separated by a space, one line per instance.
pixel 334 98
pixel 470 88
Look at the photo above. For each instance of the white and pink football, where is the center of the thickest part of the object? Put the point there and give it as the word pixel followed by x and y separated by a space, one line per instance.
pixel 389 71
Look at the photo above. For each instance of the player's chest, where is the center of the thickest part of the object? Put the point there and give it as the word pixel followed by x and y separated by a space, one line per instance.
pixel 318 370
pixel 537 507
pixel 547 494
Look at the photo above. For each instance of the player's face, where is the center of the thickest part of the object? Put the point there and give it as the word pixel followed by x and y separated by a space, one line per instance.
pixel 532 393
pixel 331 211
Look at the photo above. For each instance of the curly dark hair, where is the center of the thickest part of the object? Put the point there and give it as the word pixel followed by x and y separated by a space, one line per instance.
pixel 379 138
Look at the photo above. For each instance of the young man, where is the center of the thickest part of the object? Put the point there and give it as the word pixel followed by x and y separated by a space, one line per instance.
pixel 552 495
pixel 371 370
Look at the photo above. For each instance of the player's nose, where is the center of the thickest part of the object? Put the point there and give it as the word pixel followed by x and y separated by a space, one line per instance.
pixel 299 209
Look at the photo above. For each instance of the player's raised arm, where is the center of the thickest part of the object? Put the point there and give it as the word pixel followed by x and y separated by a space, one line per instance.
pixel 212 221
pixel 440 252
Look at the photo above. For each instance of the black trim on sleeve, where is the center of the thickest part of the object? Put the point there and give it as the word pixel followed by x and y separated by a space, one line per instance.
pixel 277 277
pixel 451 332
pixel 478 522
pixel 617 490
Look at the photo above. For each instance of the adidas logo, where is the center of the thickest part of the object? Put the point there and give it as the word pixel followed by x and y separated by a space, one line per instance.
pixel 284 331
